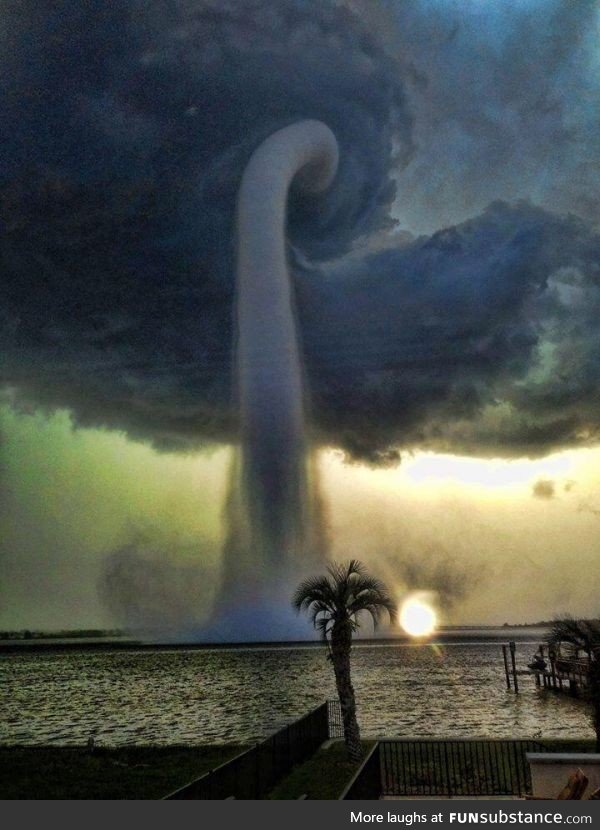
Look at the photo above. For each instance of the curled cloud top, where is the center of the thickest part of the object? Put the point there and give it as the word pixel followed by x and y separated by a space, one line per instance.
pixel 126 129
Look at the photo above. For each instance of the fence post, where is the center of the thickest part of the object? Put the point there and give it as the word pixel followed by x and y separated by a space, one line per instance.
pixel 257 771
pixel 448 778
pixel 517 754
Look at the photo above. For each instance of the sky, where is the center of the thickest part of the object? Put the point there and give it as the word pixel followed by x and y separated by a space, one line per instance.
pixel 447 292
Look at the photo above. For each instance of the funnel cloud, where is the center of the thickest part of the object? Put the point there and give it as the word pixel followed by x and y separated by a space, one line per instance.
pixel 274 530
pixel 440 293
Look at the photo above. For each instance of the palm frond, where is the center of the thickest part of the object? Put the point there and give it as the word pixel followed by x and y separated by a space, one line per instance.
pixel 323 624
pixel 371 595
pixel 343 571
pixel 582 634
pixel 318 609
pixel 316 588
pixel 339 597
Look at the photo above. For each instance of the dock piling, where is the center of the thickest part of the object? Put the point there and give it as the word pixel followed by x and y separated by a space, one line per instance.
pixel 506 672
pixel 513 648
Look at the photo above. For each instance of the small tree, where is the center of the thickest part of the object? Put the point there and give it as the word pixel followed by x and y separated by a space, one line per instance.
pixel 334 603
pixel 584 635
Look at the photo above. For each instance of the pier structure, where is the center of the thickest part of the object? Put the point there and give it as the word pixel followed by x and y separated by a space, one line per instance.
pixel 565 673
pixel 562 672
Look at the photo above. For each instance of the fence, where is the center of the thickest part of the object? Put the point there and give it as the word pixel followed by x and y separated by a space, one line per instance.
pixel 255 772
pixel 336 723
pixel 451 768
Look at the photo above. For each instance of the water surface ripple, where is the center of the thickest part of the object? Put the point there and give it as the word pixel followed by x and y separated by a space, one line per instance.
pixel 198 696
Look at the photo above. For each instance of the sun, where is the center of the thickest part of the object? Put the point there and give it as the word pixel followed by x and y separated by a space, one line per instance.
pixel 417 618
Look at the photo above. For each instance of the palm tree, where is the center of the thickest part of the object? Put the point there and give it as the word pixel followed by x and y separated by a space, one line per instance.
pixel 584 635
pixel 334 603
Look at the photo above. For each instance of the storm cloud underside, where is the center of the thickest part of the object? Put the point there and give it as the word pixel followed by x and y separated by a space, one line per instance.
pixel 126 131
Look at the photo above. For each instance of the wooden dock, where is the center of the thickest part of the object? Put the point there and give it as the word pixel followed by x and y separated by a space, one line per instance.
pixel 561 674
pixel 564 675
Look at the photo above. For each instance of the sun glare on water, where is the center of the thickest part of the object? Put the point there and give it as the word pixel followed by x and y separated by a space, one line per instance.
pixel 417 618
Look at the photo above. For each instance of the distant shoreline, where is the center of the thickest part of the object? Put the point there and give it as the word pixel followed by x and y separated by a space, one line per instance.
pixel 444 635
pixel 103 633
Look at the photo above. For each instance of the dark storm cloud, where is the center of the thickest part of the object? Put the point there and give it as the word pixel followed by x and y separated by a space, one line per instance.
pixel 509 109
pixel 479 338
pixel 544 489
pixel 126 127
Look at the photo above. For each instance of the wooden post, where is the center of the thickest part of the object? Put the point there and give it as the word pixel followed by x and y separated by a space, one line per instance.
pixel 552 656
pixel 506 672
pixel 541 681
pixel 513 648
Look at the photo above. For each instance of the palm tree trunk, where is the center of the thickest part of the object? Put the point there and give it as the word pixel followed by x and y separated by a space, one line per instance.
pixel 341 640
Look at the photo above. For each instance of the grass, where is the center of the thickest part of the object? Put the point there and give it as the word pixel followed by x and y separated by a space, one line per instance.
pixel 323 776
pixel 326 774
pixel 151 772
pixel 141 772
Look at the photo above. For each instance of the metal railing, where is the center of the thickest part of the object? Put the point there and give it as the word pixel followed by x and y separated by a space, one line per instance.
pixel 336 722
pixel 452 768
pixel 255 772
